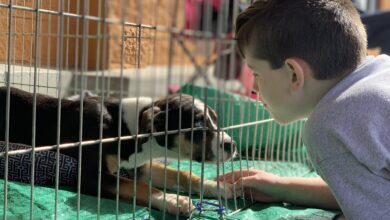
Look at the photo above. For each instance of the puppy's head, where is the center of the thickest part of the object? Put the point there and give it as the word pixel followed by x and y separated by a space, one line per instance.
pixel 185 112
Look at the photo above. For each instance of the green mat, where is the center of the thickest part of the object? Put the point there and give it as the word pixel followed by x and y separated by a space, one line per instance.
pixel 19 194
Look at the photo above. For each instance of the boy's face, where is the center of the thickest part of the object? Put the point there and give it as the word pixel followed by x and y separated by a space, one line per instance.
pixel 274 87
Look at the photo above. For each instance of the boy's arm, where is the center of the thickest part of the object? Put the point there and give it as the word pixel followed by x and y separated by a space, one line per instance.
pixel 267 187
pixel 304 191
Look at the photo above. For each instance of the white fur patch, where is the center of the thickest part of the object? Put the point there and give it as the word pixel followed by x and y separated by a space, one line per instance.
pixel 199 104
pixel 210 189
pixel 139 159
pixel 172 203
pixel 130 113
pixel 222 155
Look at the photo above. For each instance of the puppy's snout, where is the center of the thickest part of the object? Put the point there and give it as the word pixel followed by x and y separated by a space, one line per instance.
pixel 230 146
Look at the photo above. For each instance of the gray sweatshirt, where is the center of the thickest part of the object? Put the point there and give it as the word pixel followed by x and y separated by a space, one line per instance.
pixel 348 140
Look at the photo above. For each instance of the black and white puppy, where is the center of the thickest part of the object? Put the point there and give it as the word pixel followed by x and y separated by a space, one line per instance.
pixel 134 153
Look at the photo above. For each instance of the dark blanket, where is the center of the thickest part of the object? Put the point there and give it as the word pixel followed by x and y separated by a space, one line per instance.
pixel 19 166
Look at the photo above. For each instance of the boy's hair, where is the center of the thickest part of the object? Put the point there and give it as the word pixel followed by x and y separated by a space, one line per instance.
pixel 328 34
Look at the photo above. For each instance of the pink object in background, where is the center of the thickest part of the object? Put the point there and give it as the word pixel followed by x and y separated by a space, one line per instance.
pixel 193 8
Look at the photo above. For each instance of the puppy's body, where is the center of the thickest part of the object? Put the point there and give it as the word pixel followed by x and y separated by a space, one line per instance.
pixel 150 117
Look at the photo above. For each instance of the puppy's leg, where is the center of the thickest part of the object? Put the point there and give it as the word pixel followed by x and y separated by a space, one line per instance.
pixel 210 187
pixel 157 171
pixel 126 192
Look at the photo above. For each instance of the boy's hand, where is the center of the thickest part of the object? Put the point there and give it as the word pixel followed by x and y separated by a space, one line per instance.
pixel 267 187
pixel 255 184
pixel 211 189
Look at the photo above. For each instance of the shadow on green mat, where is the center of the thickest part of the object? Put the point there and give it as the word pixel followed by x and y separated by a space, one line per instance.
pixel 279 211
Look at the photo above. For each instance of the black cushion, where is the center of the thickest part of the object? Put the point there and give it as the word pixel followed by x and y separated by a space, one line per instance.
pixel 19 166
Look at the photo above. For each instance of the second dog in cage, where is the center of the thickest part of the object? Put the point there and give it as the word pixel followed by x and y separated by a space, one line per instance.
pixel 108 121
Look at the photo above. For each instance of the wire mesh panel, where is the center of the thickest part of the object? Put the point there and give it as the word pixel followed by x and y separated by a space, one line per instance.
pixel 129 109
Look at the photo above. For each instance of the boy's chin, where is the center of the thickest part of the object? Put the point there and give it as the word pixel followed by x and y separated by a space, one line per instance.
pixel 284 120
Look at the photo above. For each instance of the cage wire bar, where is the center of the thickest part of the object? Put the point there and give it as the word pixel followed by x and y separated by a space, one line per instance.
pixel 60 45
pixel 37 55
pixel 7 75
pixel 206 24
pixel 72 54
pixel 137 79
pixel 154 92
pixel 101 108
pixel 120 97
pixel 222 22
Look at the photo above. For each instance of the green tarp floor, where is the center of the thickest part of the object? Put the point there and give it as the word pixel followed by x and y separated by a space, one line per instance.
pixel 43 206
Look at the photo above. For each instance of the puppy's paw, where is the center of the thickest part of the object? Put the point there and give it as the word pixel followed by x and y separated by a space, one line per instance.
pixel 210 188
pixel 183 205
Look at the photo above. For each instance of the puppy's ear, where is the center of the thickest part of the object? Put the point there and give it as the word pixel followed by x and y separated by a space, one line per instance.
pixel 146 119
pixel 213 115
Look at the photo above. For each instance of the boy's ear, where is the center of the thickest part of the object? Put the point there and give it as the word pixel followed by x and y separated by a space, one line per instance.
pixel 297 74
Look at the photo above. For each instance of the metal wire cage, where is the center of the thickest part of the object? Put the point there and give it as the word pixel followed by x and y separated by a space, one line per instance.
pixel 148 48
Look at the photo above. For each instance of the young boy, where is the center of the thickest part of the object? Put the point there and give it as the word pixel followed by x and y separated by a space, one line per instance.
pixel 309 61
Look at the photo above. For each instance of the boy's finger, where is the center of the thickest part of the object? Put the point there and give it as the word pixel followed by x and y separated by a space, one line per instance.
pixel 232 177
pixel 228 177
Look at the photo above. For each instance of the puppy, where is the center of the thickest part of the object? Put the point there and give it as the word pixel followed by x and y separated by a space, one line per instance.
pixel 131 116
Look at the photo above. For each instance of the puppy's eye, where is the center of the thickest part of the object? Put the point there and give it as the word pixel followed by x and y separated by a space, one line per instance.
pixel 198 124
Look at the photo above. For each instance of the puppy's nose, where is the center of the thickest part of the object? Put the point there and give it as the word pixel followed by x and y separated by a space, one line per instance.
pixel 230 146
